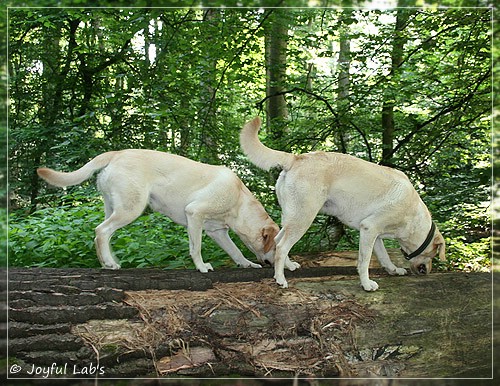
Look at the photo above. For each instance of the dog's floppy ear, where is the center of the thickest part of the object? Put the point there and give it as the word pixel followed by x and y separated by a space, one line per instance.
pixel 442 250
pixel 269 232
pixel 440 244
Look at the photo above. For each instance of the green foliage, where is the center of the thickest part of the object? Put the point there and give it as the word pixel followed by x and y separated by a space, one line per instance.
pixel 183 80
pixel 54 237
pixel 63 236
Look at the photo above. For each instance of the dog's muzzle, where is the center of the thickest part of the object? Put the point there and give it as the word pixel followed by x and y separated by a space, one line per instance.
pixel 421 268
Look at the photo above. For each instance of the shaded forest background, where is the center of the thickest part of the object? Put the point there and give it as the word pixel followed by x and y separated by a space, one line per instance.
pixel 405 87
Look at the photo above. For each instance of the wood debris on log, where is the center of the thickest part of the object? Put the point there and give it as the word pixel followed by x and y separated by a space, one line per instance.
pixel 266 329
pixel 151 323
pixel 140 323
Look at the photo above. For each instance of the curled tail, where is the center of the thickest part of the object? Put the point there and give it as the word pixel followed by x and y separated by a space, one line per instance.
pixel 262 156
pixel 56 178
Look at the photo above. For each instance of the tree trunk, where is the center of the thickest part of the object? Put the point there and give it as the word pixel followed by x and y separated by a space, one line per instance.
pixel 51 110
pixel 388 124
pixel 344 81
pixel 276 47
pixel 208 66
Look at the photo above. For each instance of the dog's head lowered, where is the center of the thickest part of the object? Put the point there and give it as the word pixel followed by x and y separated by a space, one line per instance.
pixel 268 233
pixel 422 264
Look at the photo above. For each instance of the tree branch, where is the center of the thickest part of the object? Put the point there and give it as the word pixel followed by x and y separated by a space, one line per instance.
pixel 89 72
pixel 455 106
pixel 330 108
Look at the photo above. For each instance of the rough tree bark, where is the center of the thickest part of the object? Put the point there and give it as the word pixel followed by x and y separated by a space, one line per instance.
pixel 208 68
pixel 344 81
pixel 237 322
pixel 276 49
pixel 402 16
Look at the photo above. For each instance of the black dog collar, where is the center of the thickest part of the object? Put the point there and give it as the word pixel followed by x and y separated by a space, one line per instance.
pixel 423 246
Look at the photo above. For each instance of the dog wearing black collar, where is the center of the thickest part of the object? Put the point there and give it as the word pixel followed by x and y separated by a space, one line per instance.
pixel 377 200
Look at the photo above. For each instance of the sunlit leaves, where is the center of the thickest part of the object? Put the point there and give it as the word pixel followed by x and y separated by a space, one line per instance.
pixel 190 77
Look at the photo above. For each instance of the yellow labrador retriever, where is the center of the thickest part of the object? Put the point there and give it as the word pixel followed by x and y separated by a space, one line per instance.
pixel 192 194
pixel 378 201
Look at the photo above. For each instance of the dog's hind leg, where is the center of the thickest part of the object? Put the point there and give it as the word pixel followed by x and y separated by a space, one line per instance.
pixel 385 260
pixel 289 264
pixel 299 205
pixel 120 217
pixel 294 227
pixel 291 234
pixel 221 237
pixel 108 207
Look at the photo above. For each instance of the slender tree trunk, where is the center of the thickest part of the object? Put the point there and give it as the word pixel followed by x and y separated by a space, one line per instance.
pixel 51 110
pixel 388 124
pixel 276 47
pixel 209 137
pixel 344 81
pixel 310 67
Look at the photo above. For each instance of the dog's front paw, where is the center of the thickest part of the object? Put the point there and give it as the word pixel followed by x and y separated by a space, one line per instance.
pixel 291 265
pixel 249 264
pixel 205 267
pixel 396 271
pixel 280 279
pixel 400 271
pixel 369 285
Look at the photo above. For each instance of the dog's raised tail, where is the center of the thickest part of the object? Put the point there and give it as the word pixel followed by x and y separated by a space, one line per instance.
pixel 62 179
pixel 260 155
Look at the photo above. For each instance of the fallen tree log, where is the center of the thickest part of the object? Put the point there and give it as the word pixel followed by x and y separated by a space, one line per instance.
pixel 81 323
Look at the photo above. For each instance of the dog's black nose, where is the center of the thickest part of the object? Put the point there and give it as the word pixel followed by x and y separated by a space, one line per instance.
pixel 267 262
pixel 422 269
